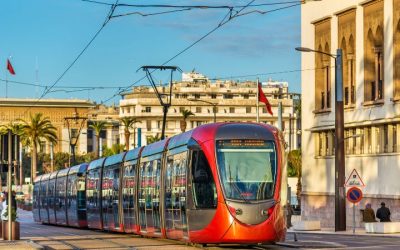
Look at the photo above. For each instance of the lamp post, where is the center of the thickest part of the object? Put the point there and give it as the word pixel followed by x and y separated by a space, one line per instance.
pixel 74 134
pixel 214 105
pixel 340 201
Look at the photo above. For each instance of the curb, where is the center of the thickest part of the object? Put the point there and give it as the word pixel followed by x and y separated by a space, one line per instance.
pixel 22 245
pixel 347 233
pixel 310 244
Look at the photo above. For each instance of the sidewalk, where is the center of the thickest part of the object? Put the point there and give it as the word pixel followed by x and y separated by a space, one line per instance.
pixel 358 231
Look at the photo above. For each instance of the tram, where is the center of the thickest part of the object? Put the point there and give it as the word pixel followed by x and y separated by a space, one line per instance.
pixel 218 183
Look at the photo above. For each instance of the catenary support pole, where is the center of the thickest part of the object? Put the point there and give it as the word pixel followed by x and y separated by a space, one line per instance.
pixel 9 186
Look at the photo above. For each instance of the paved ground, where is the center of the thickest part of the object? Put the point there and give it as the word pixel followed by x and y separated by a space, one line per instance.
pixel 55 237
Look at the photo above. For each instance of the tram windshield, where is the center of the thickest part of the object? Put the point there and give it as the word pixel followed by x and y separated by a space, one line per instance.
pixel 247 169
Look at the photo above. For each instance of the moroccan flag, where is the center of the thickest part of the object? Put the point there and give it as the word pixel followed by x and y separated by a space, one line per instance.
pixel 263 98
pixel 10 67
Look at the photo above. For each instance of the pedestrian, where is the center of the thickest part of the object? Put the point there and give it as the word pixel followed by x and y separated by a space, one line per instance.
pixel 369 214
pixel 383 213
pixel 289 213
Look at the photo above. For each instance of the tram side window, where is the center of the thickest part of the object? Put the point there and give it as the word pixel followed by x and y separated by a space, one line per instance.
pixel 204 191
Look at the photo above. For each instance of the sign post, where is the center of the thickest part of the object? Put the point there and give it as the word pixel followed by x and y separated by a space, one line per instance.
pixel 354 195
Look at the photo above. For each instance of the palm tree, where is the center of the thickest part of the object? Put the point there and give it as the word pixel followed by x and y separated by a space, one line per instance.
pixel 185 114
pixel 38 128
pixel 98 126
pixel 128 122
pixel 153 138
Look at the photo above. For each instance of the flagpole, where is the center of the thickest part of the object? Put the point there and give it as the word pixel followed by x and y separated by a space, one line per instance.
pixel 6 82
pixel 257 107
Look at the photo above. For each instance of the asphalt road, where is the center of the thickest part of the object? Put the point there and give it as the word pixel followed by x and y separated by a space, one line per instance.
pixel 56 237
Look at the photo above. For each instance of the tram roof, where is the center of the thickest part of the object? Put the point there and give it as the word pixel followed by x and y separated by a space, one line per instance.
pixel 154 148
pixel 81 168
pixel 45 177
pixel 244 131
pixel 132 154
pixel 96 163
pixel 114 159
pixel 53 175
pixel 179 140
pixel 63 172
pixel 38 178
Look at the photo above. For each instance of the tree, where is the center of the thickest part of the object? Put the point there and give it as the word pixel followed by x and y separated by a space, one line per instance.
pixel 38 128
pixel 153 138
pixel 98 126
pixel 185 114
pixel 294 165
pixel 127 122
pixel 115 149
pixel 16 129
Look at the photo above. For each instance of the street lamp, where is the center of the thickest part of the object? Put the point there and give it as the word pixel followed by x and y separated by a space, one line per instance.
pixel 214 105
pixel 74 134
pixel 340 201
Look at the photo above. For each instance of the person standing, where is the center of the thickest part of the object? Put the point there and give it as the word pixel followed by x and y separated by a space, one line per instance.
pixel 369 214
pixel 383 213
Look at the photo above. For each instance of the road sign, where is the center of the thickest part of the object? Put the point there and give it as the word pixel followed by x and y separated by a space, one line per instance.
pixel 354 180
pixel 354 195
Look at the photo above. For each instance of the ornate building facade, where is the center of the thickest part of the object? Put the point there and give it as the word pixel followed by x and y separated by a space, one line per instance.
pixel 222 101
pixel 12 109
pixel 368 32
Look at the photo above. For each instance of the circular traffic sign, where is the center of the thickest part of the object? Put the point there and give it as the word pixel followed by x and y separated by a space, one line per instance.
pixel 354 195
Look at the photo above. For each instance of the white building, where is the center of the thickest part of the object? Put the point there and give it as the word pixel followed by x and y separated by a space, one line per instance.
pixel 368 32
pixel 233 101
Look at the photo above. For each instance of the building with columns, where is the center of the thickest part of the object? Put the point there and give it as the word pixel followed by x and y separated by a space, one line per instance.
pixel 223 101
pixel 110 134
pixel 368 32
pixel 12 109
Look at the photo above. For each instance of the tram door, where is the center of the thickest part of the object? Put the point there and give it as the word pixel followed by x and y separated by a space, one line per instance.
pixel 128 201
pixel 175 196
pixel 149 197
pixel 111 199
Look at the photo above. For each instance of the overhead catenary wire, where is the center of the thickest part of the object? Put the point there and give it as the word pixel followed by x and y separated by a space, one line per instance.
pixel 86 88
pixel 47 90
pixel 221 23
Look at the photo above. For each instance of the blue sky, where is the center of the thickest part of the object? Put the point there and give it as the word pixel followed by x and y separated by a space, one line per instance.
pixel 44 37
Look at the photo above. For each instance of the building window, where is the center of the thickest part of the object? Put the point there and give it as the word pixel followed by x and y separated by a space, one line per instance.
pixel 198 109
pixel 248 110
pixel 181 109
pixel 177 96
pixel 323 65
pixel 368 137
pixel 246 96
pixel 228 96
pixel 346 38
pixel 148 110
pixel 196 96
pixel 231 110
pixel 184 96
pixel 213 96
pixel 103 134
pixel 373 51
pixel 394 135
pixel 385 138
pixel 148 125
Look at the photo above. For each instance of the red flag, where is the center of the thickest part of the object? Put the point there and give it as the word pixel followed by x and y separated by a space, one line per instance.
pixel 10 67
pixel 263 98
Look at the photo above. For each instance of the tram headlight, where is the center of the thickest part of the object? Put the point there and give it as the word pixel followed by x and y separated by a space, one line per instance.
pixel 235 211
